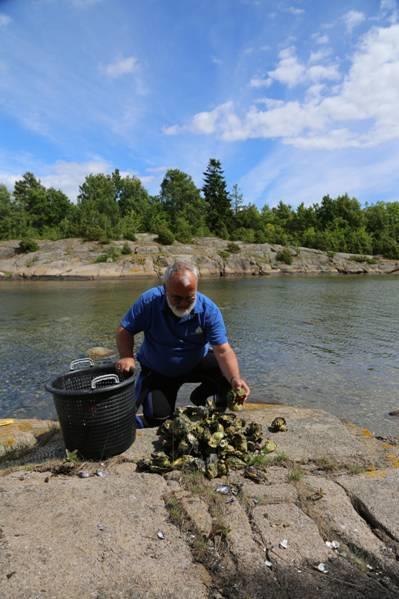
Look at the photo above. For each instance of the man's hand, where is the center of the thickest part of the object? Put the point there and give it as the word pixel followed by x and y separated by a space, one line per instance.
pixel 241 388
pixel 125 365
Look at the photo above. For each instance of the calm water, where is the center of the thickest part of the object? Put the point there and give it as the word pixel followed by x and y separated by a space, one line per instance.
pixel 325 342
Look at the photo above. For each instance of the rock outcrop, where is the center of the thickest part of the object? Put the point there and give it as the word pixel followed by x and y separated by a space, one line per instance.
pixel 77 259
pixel 324 523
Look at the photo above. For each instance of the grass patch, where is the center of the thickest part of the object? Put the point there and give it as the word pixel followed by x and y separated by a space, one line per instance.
pixel 176 512
pixel 284 256
pixel 233 248
pixel 126 249
pixel 355 468
pixel 326 464
pixel 224 254
pixel 111 255
pixel 196 483
pixel 295 473
pixel 27 245
pixel 366 259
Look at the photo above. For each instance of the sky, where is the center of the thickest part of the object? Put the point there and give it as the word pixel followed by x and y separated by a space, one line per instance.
pixel 296 98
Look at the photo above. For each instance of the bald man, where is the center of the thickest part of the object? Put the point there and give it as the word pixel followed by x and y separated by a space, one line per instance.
pixel 185 341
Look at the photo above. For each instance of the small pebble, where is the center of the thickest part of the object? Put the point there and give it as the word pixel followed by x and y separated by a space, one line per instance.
pixel 284 544
pixel 101 473
pixel 322 568
pixel 268 564
pixel 100 526
pixel 223 489
pixel 83 474
pixel 332 544
pixel 160 534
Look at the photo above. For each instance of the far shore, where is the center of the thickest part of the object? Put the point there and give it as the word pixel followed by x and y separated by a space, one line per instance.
pixel 76 259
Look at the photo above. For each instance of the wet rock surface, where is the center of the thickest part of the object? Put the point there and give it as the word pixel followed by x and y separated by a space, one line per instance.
pixel 78 259
pixel 322 523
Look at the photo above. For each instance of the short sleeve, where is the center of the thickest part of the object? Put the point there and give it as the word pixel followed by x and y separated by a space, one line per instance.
pixel 215 329
pixel 135 319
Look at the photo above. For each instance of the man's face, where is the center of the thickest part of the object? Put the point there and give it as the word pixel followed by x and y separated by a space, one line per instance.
pixel 181 292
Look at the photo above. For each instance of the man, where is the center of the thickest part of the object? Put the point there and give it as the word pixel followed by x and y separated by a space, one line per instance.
pixel 180 327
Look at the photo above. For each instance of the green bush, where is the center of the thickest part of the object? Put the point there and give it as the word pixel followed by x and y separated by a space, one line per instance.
pixel 111 255
pixel 27 245
pixel 260 236
pixel 284 256
pixel 92 233
pixel 366 259
pixel 233 248
pixel 126 249
pixel 223 254
pixel 129 235
pixel 165 236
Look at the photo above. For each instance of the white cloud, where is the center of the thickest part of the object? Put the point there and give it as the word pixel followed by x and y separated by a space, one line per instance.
pixel 319 72
pixel 295 11
pixel 255 82
pixel 288 175
pixel 359 112
pixel 120 67
pixel 389 10
pixel 320 38
pixel 158 169
pixel 68 176
pixel 172 129
pixel 217 60
pixel 269 102
pixel 289 70
pixel 4 20
pixel 319 55
pixel 63 175
pixel 352 19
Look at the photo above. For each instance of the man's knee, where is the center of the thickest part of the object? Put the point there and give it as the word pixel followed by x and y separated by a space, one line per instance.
pixel 209 389
pixel 156 408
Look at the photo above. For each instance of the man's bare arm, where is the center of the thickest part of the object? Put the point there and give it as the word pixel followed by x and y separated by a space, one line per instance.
pixel 125 345
pixel 228 363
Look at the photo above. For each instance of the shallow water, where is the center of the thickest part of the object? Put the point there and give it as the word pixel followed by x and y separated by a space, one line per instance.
pixel 327 342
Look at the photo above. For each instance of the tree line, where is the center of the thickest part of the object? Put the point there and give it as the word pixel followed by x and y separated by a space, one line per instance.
pixel 117 207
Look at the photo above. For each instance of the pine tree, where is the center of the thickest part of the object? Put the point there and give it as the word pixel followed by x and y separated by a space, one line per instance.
pixel 219 214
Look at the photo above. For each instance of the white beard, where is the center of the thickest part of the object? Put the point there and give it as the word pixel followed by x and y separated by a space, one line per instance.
pixel 180 313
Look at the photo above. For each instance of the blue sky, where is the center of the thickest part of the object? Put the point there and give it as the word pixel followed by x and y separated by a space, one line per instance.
pixel 297 98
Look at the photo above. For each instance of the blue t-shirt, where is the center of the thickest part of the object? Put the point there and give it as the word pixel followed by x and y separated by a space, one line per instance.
pixel 173 346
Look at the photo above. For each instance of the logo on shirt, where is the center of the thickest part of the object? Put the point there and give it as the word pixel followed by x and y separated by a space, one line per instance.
pixel 198 331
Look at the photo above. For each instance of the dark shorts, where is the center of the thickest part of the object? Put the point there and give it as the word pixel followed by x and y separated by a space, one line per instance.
pixel 157 393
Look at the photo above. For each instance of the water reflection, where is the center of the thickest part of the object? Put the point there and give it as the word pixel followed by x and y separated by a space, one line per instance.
pixel 327 342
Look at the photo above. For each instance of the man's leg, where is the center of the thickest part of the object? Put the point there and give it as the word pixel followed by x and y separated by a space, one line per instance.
pixel 213 383
pixel 157 394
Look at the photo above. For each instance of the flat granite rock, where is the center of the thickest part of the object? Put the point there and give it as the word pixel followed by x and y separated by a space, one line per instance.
pixel 18 436
pixel 315 435
pixel 376 495
pixel 94 537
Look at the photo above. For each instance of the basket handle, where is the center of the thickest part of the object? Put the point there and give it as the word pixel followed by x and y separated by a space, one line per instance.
pixel 80 363
pixel 105 377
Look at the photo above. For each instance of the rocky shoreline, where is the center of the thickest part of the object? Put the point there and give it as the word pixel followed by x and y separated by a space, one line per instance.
pixel 324 523
pixel 78 259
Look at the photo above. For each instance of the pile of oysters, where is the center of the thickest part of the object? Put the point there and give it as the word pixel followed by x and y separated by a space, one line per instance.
pixel 206 440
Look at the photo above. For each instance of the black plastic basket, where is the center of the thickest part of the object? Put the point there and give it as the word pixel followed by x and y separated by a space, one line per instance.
pixel 96 408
